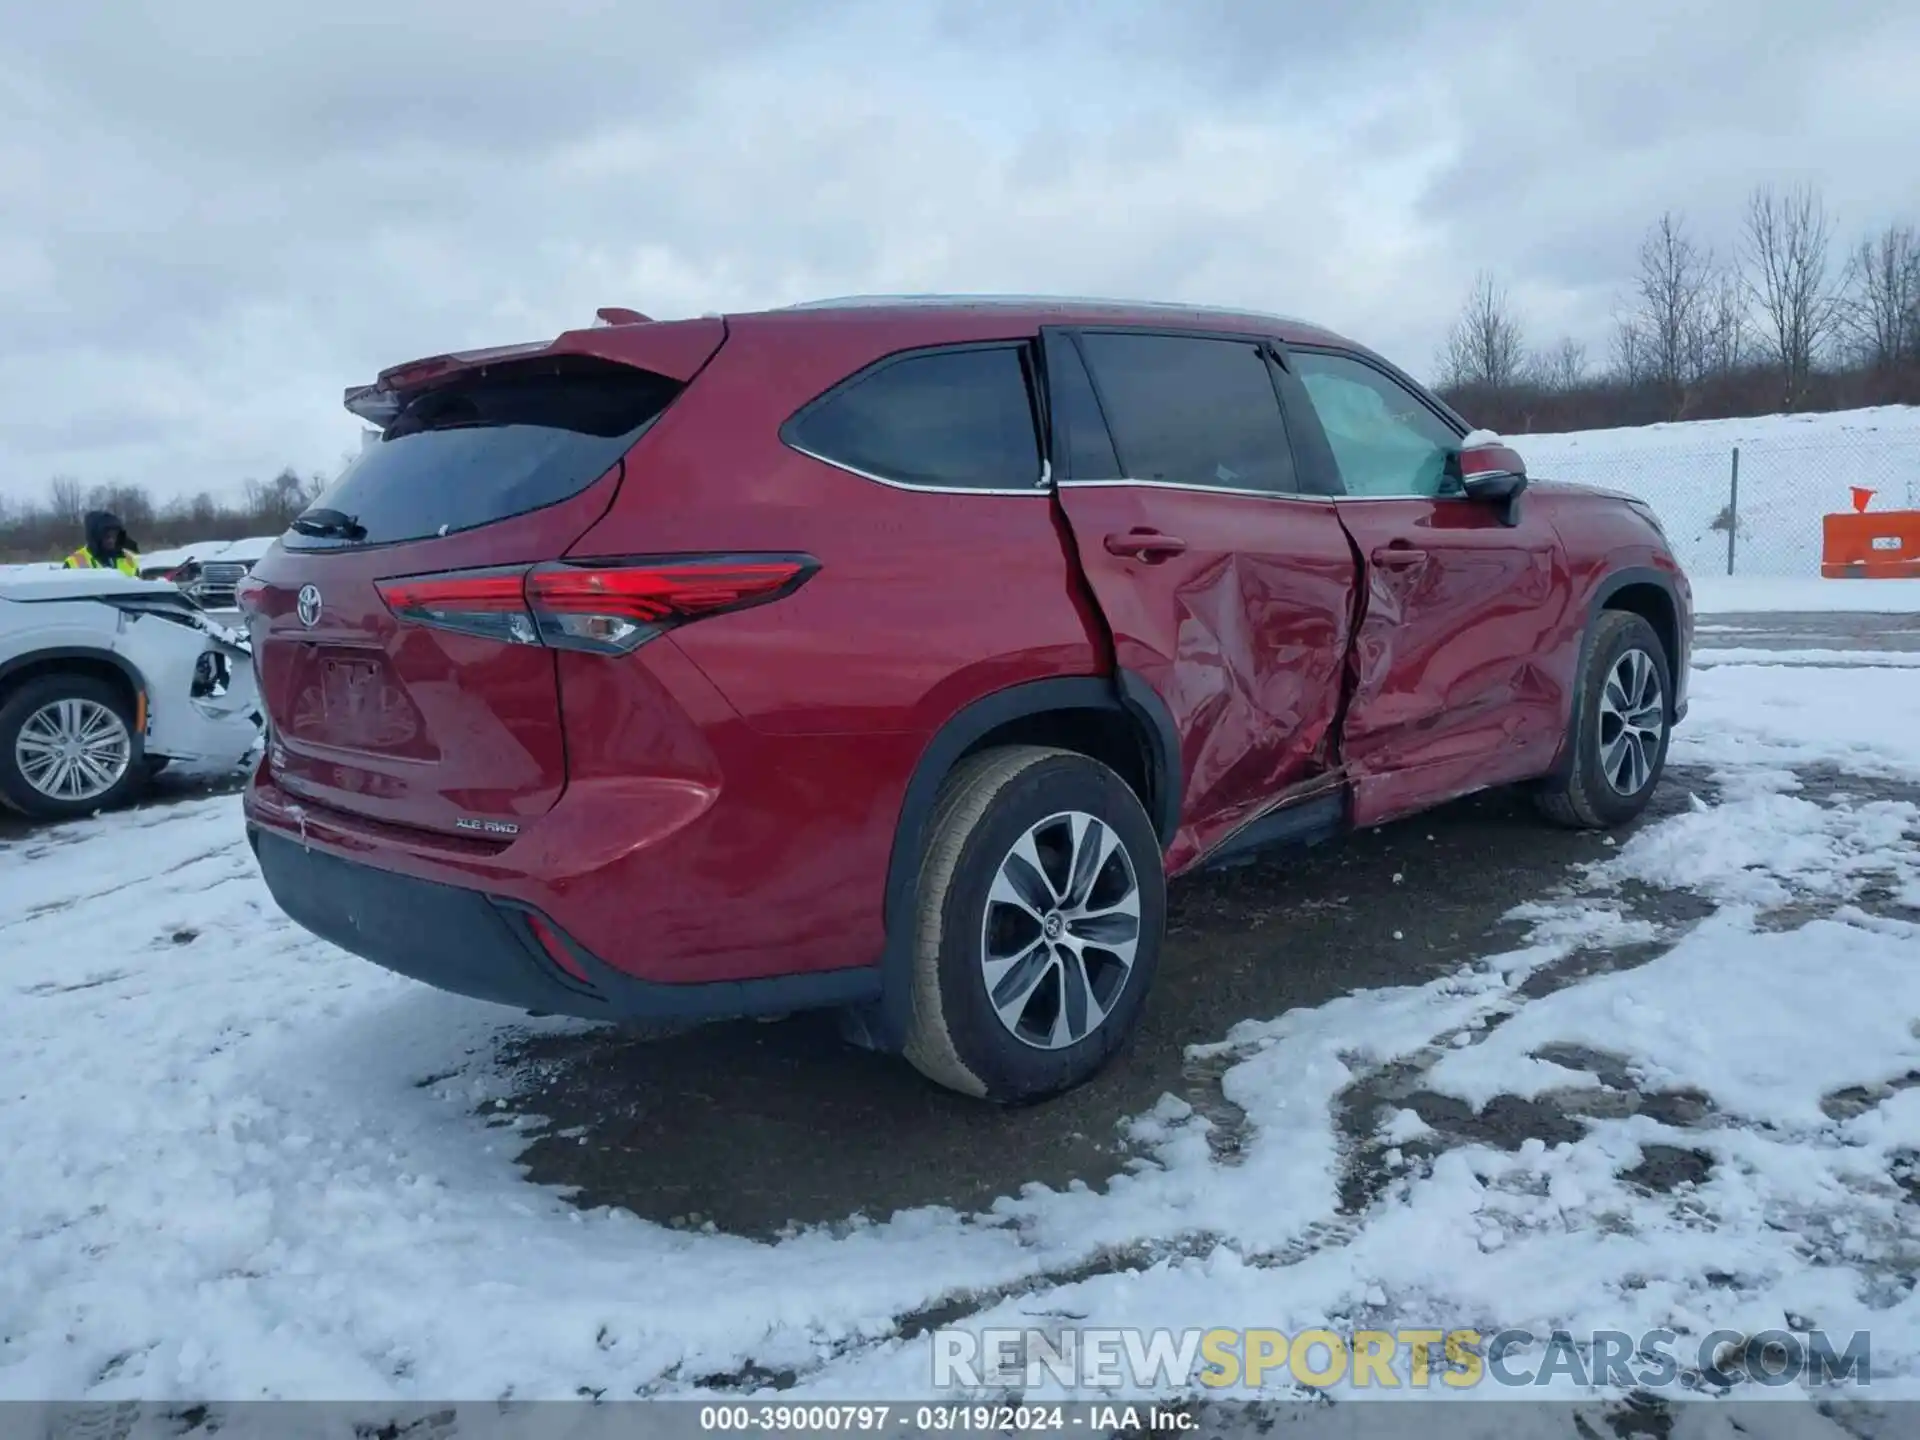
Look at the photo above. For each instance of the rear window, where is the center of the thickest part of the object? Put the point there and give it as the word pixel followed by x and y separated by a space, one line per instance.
pixel 1188 410
pixel 955 419
pixel 499 444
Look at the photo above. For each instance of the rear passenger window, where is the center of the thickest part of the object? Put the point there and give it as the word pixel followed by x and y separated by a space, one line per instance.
pixel 1077 417
pixel 956 419
pixel 1192 411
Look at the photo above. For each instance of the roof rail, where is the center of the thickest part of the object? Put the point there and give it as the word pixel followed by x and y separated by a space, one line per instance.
pixel 620 315
pixel 858 302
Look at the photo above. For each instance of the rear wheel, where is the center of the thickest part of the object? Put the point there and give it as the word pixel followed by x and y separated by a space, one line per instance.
pixel 1619 728
pixel 68 747
pixel 1042 900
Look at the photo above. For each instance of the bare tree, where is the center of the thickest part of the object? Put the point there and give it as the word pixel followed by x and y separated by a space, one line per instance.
pixel 1882 305
pixel 1671 291
pixel 1785 254
pixel 274 505
pixel 67 500
pixel 1561 369
pixel 131 503
pixel 1723 340
pixel 51 528
pixel 1485 348
pixel 1629 350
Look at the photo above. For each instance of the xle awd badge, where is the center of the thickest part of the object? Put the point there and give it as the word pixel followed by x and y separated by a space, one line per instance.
pixel 486 827
pixel 307 605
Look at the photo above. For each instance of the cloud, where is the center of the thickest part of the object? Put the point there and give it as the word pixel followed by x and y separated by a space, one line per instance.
pixel 214 216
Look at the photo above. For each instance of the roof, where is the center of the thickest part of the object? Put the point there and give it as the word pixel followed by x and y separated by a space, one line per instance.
pixel 679 348
pixel 1064 309
pixel 1035 302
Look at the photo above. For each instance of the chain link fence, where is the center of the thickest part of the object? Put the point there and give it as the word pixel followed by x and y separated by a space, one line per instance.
pixel 1754 509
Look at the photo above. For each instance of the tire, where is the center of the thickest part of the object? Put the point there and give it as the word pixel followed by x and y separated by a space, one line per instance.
pixel 30 708
pixel 1060 1031
pixel 1613 771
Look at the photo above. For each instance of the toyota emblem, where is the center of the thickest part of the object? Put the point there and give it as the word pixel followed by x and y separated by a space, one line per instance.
pixel 308 605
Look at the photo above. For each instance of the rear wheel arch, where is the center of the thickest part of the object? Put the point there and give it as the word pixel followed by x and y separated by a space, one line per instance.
pixel 1110 720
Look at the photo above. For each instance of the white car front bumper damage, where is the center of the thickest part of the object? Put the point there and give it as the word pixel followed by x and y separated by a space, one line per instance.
pixel 203 706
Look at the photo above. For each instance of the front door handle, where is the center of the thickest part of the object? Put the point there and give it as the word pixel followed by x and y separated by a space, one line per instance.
pixel 1148 545
pixel 1399 557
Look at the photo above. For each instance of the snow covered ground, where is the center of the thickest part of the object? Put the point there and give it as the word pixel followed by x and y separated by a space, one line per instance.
pixel 1777 594
pixel 243 1164
pixel 1793 470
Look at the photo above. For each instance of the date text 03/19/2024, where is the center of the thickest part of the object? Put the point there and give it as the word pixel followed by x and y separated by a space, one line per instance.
pixel 975 1418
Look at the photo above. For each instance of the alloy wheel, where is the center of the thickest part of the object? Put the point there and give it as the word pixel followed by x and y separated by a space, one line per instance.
pixel 1060 932
pixel 73 750
pixel 1633 719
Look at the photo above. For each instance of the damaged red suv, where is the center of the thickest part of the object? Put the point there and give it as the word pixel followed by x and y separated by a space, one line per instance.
pixel 890 655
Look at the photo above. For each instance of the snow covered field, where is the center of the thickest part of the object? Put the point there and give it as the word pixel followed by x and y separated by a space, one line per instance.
pixel 243 1164
pixel 1793 470
pixel 1768 594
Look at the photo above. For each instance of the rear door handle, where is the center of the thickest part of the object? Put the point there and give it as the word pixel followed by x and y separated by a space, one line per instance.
pixel 1148 545
pixel 1399 557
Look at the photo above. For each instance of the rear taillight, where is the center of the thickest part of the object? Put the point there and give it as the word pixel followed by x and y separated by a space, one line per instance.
pixel 247 594
pixel 488 603
pixel 613 608
pixel 609 607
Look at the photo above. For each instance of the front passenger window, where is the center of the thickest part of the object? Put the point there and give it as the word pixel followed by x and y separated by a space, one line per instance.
pixel 1384 439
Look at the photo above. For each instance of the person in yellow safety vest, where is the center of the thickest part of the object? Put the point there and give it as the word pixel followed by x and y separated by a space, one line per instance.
pixel 108 546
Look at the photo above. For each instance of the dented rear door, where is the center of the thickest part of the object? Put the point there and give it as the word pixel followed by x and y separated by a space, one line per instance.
pixel 1227 591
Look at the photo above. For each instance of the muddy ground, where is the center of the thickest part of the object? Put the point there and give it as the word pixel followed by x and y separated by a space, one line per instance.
pixel 756 1126
pixel 753 1128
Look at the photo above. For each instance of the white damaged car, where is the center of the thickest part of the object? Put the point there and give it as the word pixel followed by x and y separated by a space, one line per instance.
pixel 104 681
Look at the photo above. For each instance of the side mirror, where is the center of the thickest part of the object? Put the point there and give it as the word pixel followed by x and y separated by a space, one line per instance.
pixel 1493 473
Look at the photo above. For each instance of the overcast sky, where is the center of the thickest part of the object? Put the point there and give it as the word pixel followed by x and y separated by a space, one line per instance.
pixel 216 214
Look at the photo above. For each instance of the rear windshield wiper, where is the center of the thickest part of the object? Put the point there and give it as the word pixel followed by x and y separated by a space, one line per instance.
pixel 330 525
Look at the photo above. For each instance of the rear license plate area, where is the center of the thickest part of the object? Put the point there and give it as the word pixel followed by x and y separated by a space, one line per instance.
pixel 349 689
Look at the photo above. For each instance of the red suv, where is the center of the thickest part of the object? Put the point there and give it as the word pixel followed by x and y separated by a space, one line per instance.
pixel 890 655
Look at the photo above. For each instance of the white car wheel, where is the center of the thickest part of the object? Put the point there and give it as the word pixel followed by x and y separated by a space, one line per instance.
pixel 68 747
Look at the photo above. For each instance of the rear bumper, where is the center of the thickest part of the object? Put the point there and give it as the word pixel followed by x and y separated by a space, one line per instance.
pixel 489 947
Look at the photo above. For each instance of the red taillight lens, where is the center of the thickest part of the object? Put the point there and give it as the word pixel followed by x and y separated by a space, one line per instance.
pixel 606 606
pixel 489 603
pixel 612 608
pixel 246 595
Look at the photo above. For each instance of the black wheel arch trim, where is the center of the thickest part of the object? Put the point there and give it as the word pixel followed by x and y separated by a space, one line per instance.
pixel 33 659
pixel 1661 580
pixel 1614 582
pixel 1168 779
pixel 1125 693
